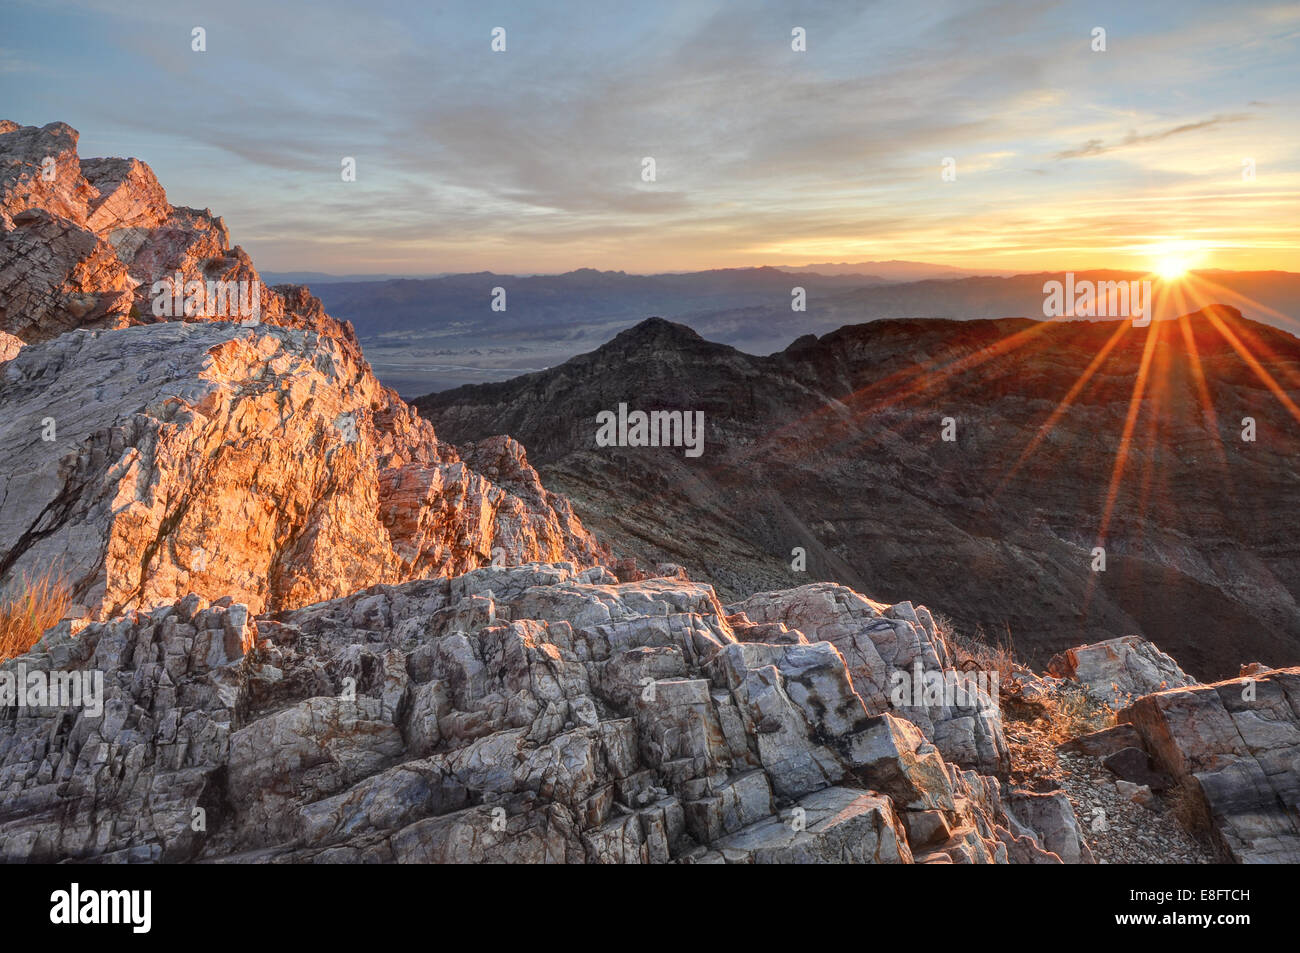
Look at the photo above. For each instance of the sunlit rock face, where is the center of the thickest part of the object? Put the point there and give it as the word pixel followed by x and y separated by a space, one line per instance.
pixel 539 713
pixel 93 243
pixel 261 463
pixel 1118 670
pixel 174 426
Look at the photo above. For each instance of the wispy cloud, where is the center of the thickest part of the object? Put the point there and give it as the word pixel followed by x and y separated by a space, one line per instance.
pixel 1096 147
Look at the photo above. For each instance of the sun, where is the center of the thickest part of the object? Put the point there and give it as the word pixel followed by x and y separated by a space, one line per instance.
pixel 1172 258
pixel 1172 268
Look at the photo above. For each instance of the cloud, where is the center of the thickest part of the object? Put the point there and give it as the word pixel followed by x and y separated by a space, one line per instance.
pixel 1096 147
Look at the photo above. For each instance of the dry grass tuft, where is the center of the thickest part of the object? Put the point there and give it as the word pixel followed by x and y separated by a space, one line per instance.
pixel 1072 713
pixel 30 607
pixel 979 653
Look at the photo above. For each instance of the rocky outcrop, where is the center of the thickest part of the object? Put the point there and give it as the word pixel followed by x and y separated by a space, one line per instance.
pixel 1117 671
pixel 1234 746
pixel 527 714
pixel 262 463
pixel 225 440
pixel 84 243
pixel 885 647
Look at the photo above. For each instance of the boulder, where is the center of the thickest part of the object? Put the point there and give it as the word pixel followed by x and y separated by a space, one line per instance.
pixel 1051 816
pixel 1117 671
pixel 1234 747
pixel 1133 765
pixel 1099 744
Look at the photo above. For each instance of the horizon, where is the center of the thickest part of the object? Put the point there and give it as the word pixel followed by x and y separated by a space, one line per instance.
pixel 1129 158
pixel 961 274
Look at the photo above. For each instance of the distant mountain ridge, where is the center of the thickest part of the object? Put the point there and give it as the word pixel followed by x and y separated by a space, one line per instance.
pixel 893 270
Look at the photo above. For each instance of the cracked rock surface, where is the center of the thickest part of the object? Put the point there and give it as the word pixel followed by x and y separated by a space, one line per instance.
pixel 262 463
pixel 535 713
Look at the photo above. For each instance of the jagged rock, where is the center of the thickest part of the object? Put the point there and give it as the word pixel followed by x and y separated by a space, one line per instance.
pixel 836 826
pixel 926 828
pixel 895 757
pixel 1052 817
pixel 1137 793
pixel 262 463
pixel 84 241
pixel 881 644
pixel 1118 670
pixel 9 346
pixel 39 168
pixel 56 275
pixel 1235 747
pixel 536 713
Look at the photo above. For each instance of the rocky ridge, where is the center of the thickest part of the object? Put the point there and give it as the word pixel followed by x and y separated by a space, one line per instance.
pixel 83 242
pixel 544 713
pixel 537 713
pixel 255 458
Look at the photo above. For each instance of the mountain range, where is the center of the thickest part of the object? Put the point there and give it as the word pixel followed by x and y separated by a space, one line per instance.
pixel 836 446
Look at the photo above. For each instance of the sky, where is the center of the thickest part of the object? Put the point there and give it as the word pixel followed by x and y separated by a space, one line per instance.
pixel 532 159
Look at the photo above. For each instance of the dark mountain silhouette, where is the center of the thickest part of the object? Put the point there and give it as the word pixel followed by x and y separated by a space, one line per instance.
pixel 835 446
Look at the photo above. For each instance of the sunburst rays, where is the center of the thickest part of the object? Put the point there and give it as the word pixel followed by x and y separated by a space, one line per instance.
pixel 1167 360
